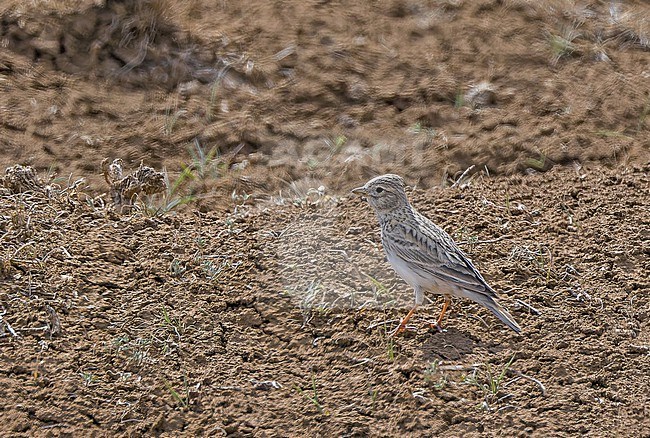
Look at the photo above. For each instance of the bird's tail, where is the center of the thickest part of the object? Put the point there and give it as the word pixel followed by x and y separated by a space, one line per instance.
pixel 493 305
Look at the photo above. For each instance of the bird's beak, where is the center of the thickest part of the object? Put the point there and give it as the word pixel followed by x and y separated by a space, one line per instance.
pixel 359 191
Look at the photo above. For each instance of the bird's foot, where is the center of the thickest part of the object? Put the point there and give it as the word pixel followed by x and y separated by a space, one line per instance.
pixel 438 327
pixel 401 328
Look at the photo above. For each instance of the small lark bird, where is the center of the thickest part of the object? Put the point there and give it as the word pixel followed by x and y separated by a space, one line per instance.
pixel 423 254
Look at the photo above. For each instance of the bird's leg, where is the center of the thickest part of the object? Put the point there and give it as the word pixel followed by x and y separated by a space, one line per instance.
pixel 402 325
pixel 445 306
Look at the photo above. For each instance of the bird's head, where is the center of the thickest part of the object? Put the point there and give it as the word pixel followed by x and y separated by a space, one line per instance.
pixel 384 193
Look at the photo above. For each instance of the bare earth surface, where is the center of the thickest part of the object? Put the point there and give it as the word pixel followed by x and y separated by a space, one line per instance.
pixel 252 296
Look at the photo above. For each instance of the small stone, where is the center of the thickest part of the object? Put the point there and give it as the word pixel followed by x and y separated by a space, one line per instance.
pixel 481 95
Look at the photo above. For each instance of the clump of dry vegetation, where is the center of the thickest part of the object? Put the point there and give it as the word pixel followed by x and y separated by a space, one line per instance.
pixel 576 30
pixel 125 190
pixel 20 179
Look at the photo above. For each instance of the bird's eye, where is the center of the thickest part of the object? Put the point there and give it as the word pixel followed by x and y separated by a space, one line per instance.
pixel 379 189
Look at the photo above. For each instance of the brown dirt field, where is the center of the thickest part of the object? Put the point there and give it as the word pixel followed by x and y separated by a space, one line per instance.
pixel 252 296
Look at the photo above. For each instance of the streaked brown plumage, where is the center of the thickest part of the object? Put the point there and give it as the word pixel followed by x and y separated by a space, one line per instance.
pixel 423 254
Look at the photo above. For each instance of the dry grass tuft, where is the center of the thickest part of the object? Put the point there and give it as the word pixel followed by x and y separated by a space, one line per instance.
pixel 124 190
pixel 19 179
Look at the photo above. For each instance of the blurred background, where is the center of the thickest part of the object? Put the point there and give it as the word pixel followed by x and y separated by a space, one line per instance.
pixel 263 98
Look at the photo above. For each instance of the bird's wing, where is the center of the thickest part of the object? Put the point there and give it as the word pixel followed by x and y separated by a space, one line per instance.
pixel 430 249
